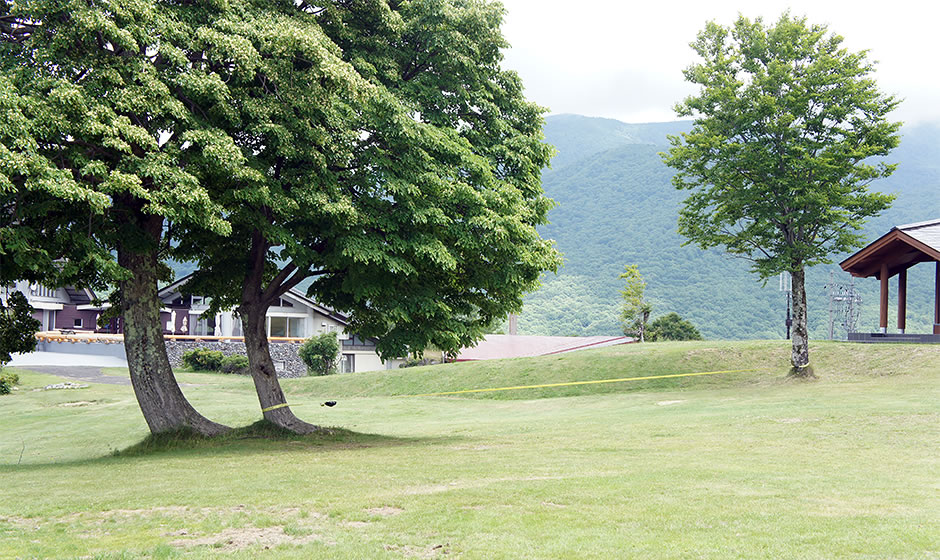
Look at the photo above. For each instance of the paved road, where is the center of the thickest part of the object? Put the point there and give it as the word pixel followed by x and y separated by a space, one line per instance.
pixel 85 374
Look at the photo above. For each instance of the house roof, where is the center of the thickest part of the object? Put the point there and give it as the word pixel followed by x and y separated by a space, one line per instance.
pixel 176 286
pixel 899 249
pixel 495 346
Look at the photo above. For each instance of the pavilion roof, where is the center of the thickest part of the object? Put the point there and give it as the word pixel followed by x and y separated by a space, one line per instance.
pixel 901 248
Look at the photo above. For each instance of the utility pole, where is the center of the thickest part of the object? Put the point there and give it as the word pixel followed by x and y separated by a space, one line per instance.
pixel 830 290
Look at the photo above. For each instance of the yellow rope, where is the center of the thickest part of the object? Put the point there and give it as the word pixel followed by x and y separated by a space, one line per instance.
pixel 275 407
pixel 570 383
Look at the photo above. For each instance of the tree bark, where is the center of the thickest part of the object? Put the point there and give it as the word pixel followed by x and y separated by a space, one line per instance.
pixel 270 396
pixel 162 403
pixel 800 351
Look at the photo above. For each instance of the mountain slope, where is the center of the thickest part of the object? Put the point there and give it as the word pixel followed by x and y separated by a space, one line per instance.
pixel 616 206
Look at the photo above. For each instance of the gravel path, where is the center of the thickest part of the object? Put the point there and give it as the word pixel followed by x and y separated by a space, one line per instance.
pixel 87 374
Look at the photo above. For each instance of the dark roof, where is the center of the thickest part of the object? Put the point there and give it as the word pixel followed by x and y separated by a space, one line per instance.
pixel 170 289
pixel 899 249
pixel 79 296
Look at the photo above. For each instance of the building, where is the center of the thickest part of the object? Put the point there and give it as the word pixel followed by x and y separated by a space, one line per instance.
pixel 891 255
pixel 293 319
pixel 63 309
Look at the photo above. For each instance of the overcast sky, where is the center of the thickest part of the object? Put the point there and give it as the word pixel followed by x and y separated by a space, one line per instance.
pixel 624 59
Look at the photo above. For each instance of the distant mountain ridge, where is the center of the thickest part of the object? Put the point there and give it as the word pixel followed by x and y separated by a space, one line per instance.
pixel 616 206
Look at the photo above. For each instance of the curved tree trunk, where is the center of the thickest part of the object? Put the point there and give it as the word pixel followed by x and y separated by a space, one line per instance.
pixel 270 396
pixel 799 358
pixel 162 403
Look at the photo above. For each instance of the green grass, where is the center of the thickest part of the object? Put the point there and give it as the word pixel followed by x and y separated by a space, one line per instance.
pixel 744 465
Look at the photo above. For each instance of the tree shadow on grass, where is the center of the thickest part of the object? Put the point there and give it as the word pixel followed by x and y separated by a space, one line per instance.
pixel 262 437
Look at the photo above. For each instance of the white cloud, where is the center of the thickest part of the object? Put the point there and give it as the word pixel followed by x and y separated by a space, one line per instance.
pixel 625 61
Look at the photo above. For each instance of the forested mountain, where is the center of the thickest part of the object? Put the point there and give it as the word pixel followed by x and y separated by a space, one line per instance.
pixel 616 206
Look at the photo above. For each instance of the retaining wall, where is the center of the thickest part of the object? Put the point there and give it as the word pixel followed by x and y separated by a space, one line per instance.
pixel 287 362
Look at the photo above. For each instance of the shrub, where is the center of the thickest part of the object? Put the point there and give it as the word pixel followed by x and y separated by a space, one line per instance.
pixel 673 327
pixel 319 354
pixel 7 381
pixel 235 364
pixel 203 359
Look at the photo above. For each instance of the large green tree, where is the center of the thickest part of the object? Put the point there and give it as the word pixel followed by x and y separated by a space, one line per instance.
pixel 778 163
pixel 389 159
pixel 95 114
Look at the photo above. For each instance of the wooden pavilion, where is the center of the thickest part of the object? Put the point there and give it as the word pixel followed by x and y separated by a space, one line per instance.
pixel 891 255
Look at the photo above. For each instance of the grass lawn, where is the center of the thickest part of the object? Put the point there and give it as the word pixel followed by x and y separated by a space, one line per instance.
pixel 741 465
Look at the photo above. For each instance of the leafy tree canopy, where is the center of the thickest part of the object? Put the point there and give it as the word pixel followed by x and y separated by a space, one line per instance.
pixel 17 327
pixel 636 309
pixel 778 161
pixel 407 187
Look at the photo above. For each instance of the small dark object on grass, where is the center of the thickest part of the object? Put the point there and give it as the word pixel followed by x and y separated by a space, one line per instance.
pixel 329 403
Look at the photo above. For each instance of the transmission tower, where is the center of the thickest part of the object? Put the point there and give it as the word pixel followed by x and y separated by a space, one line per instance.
pixel 845 304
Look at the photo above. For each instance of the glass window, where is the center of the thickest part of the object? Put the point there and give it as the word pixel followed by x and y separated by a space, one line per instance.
pixel 277 326
pixel 297 327
pixel 348 363
pixel 203 326
pixel 237 329
pixel 77 323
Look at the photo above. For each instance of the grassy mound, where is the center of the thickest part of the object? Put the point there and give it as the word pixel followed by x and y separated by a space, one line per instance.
pixel 767 362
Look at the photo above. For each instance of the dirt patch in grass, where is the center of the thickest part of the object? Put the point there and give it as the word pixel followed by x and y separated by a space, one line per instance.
pixel 20 522
pixel 185 512
pixel 385 511
pixel 430 551
pixel 237 539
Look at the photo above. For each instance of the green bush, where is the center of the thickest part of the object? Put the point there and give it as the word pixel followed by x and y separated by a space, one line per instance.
pixel 7 381
pixel 319 354
pixel 672 327
pixel 235 364
pixel 203 359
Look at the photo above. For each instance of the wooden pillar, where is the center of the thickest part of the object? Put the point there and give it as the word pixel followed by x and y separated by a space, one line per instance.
pixel 936 303
pixel 902 300
pixel 883 317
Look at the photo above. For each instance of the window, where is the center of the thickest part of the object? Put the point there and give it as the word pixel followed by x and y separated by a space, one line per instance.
pixel 77 323
pixel 237 329
pixel 287 326
pixel 356 340
pixel 277 326
pixel 284 303
pixel 197 300
pixel 203 326
pixel 348 363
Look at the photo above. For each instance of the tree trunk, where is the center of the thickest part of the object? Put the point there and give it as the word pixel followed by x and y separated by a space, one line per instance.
pixel 271 397
pixel 162 403
pixel 800 351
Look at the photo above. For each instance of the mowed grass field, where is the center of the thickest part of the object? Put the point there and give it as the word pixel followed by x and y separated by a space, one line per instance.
pixel 737 465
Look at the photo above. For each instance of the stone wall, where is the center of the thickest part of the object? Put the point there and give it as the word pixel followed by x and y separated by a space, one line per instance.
pixel 286 360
